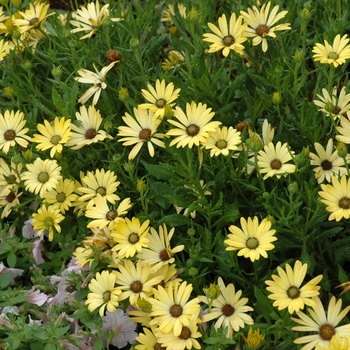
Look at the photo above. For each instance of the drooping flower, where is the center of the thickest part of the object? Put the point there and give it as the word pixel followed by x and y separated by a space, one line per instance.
pixel 135 282
pixel 332 104
pixel 53 136
pixel 174 58
pixel 328 163
pixel 41 176
pixel 169 13
pixel 34 17
pixel 286 290
pixel 335 54
pixel 88 19
pixel 193 127
pixel 97 79
pixel 252 239
pixel 159 251
pixel 172 307
pixel 229 36
pixel 273 160
pixel 222 141
pixel 324 325
pixel 87 131
pixel 130 237
pixel 104 293
pixel 139 131
pixel 337 197
pixel 47 219
pixel 230 309
pixel 12 130
pixel 262 23
pixel 159 98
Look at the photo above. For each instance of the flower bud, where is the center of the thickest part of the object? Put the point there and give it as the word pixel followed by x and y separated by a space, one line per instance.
pixel 191 232
pixel 56 72
pixel 172 30
pixel 254 142
pixel 28 155
pixel 298 56
pixel 193 15
pixel 329 107
pixel 293 188
pixel 193 272
pixel 123 94
pixel 213 291
pixel 276 98
pixel 141 185
pixel 8 91
pixel 134 43
pixel 342 150
pixel 144 305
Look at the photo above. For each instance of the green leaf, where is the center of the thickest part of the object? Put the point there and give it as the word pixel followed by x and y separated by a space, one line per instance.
pixel 5 280
pixel 161 171
pixel 57 101
pixel 11 260
pixel 175 220
pixel 263 304
pixel 50 346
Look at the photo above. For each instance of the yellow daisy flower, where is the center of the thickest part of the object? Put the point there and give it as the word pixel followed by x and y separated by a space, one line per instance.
pixel 332 104
pixel 9 201
pixel 42 176
pixel 229 308
pixel 169 13
pixel 335 54
pixel 286 291
pixel 130 237
pixel 47 219
pixel 228 36
pixel 104 293
pixel 62 195
pixel 337 197
pixel 147 340
pixel 262 23
pixel 4 49
pixel 328 163
pixel 53 136
pixel 34 17
pixel 99 182
pixel 87 131
pixel 97 79
pixel 253 239
pixel 325 326
pixel 12 130
pixel 104 216
pixel 344 130
pixel 336 343
pixel 273 160
pixel 88 19
pixel 140 130
pixel 159 98
pixel 159 251
pixel 174 58
pixel 193 127
pixel 134 281
pixel 222 141
pixel 172 309
pixel 187 339
pixel 9 177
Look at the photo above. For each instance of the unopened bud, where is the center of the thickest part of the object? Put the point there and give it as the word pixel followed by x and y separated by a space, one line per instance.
pixel 193 271
pixel 254 142
pixel 144 305
pixel 141 185
pixel 213 291
pixel 342 150
pixel 172 30
pixel 329 107
pixel 298 56
pixel 134 43
pixel 276 98
pixel 56 72
pixel 123 94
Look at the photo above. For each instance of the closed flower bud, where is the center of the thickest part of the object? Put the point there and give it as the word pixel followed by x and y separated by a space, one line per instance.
pixel 168 111
pixel 172 30
pixel 293 188
pixel 193 15
pixel 144 305
pixel 134 43
pixel 191 232
pixel 298 56
pixel 254 142
pixel 213 291
pixel 193 272
pixel 141 185
pixel 276 98
pixel 305 152
pixel 342 150
pixel 329 107
pixel 305 14
pixel 8 91
pixel 123 94
pixel 28 155
pixel 56 72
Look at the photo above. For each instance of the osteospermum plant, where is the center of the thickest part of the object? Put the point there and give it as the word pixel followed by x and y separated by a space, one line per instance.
pixel 174 176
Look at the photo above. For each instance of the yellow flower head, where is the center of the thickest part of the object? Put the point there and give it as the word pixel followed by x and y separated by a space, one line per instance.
pixel 253 239
pixel 335 54
pixel 47 219
pixel 228 36
pixel 262 23
pixel 193 127
pixel 104 293
pixel 88 19
pixel 159 98
pixel 336 343
pixel 337 198
pixel 53 135
pixel 254 339
pixel 12 130
pixel 286 290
